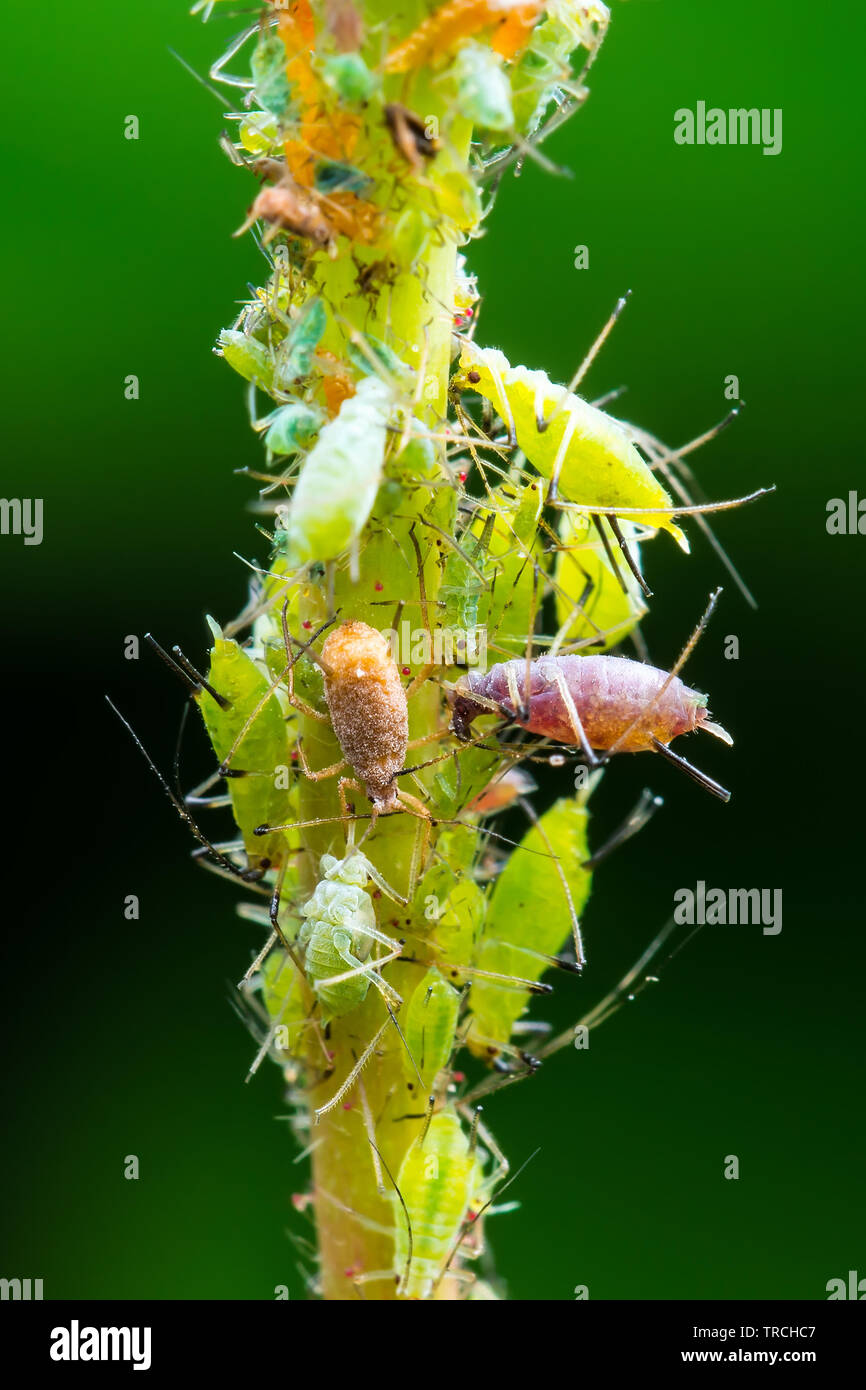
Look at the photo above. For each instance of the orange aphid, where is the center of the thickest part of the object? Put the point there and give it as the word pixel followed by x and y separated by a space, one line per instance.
pixel 337 384
pixel 438 34
pixel 367 705
pixel 325 133
pixel 512 35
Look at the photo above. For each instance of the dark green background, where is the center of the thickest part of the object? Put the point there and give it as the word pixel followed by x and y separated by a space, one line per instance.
pixel 119 1038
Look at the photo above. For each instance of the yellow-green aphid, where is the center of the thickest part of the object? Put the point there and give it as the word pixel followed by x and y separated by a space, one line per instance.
pixel 259 788
pixel 438 1179
pixel 248 357
pixel 590 597
pixel 428 1027
pixel 450 903
pixel 527 919
pixel 339 478
pixel 515 557
pixel 283 997
pixel 337 936
pixel 594 463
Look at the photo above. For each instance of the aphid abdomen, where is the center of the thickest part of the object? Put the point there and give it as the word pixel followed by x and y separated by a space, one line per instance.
pixel 609 693
pixel 367 705
pixel 437 1181
pixel 328 952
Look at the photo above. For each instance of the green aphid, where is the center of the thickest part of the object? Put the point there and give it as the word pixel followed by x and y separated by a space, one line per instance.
pixel 249 358
pixel 591 598
pixel 428 1026
pixel 293 427
pixel 439 1178
pixel 483 90
pixel 348 75
pixel 273 90
pixel 283 997
pixel 333 177
pixel 261 795
pixel 294 356
pixel 528 919
pixel 340 477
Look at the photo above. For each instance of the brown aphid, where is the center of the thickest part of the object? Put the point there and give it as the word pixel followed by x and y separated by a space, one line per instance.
pixel 367 704
pixel 410 135
pixel 288 207
pixel 345 23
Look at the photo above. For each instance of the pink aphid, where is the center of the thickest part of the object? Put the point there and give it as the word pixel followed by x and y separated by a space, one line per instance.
pixel 604 703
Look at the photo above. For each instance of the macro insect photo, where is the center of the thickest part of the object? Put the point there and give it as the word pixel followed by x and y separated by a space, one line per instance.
pixel 451 591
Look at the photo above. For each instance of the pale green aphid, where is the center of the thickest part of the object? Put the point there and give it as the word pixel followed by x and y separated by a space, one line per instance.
pixel 249 358
pixel 483 90
pixel 586 452
pixel 526 921
pixel 337 936
pixel 340 477
pixel 293 427
pixel 348 75
pixel 294 356
pixel 439 1179
pixel 428 1027
pixel 261 796
pixel 592 603
pixel 543 73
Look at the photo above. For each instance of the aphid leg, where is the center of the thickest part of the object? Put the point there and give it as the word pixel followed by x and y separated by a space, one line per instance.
pixel 553 486
pixel 627 555
pixel 355 1073
pixel 574 719
pixel 219 858
pixel 370 1128
pixel 186 672
pixel 645 809
pixel 588 360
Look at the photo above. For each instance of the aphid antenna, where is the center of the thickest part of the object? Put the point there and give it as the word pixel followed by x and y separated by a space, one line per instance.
pixel 175 800
pixel 543 423
pixel 698 510
pixel 643 812
pixel 669 463
pixel 529 810
pixel 370 1129
pixel 632 984
pixel 218 96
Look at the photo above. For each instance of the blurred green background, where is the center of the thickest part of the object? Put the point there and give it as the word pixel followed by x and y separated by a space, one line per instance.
pixel 119 1036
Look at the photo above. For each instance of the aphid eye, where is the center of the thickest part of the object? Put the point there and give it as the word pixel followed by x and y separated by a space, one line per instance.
pixel 474 377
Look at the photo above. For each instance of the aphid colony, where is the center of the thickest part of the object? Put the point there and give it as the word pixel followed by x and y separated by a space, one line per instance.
pixel 363 774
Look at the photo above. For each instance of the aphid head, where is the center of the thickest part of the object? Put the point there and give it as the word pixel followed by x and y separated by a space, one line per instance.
pixel 464 708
